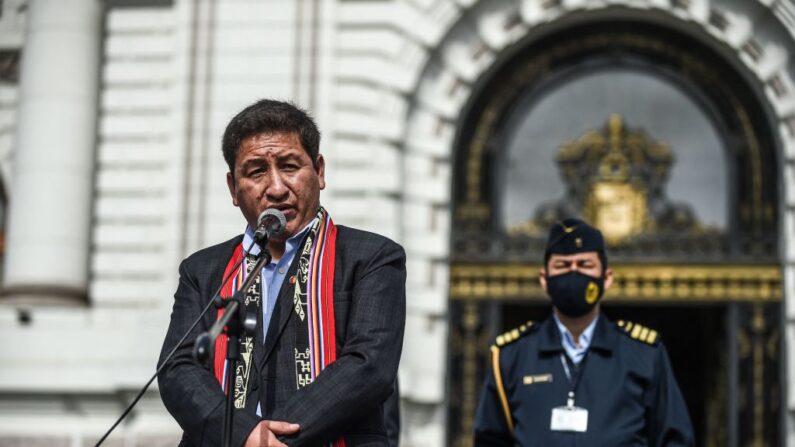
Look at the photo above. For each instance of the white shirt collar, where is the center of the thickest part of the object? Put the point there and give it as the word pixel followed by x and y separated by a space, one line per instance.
pixel 568 339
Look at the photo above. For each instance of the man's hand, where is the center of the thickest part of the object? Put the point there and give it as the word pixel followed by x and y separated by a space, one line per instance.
pixel 264 434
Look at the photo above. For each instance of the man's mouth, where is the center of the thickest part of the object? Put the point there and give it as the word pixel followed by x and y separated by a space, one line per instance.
pixel 289 212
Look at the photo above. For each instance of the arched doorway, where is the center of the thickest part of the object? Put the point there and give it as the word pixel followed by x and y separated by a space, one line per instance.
pixel 657 139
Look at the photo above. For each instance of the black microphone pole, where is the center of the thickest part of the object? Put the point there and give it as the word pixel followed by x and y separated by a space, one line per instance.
pixel 234 314
pixel 235 307
pixel 237 321
pixel 171 353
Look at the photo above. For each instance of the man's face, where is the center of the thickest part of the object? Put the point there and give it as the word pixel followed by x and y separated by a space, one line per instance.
pixel 586 263
pixel 272 170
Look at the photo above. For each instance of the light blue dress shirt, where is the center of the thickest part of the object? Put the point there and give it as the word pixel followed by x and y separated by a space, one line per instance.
pixel 273 276
pixel 576 352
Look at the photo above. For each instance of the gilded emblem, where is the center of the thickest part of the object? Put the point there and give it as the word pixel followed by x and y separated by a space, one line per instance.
pixel 615 179
pixel 591 293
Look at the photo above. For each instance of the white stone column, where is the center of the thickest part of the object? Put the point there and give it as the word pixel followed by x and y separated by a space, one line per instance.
pixel 49 216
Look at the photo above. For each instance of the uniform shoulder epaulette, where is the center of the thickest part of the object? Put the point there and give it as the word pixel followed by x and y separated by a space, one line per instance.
pixel 639 332
pixel 512 335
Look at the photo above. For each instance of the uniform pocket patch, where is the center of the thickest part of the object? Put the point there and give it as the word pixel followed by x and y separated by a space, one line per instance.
pixel 538 378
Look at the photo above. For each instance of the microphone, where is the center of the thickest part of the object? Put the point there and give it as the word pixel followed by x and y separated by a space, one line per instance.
pixel 270 223
pixel 202 340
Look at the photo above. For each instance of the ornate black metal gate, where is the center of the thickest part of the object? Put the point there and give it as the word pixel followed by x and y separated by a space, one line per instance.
pixel 722 282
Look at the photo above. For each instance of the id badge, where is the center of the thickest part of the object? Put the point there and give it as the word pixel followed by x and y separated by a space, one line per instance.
pixel 569 419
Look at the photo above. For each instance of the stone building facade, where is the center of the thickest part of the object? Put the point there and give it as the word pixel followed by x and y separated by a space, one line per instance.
pixel 111 116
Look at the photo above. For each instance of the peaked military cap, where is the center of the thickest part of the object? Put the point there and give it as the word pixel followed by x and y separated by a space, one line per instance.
pixel 573 236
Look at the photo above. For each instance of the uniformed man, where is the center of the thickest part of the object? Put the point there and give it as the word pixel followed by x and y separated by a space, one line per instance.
pixel 576 378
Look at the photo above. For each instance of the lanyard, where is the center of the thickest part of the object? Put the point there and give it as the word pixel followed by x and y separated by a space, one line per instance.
pixel 573 374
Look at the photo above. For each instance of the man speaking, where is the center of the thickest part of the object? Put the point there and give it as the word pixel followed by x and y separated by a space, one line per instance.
pixel 330 305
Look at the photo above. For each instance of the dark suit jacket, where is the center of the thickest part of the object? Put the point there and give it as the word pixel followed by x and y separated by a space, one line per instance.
pixel 345 399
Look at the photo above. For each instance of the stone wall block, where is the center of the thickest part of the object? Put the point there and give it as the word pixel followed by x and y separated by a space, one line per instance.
pixel 423 425
pixel 660 4
pixel 418 267
pixel 128 236
pixel 789 291
pixel 129 209
pixel 386 42
pixel 438 148
pixel 784 106
pixel 138 72
pixel 146 154
pixel 789 234
pixel 740 29
pixel 427 301
pixel 576 4
pixel 499 24
pixel 785 11
pixel 790 344
pixel 143 263
pixel 368 13
pixel 366 179
pixel 356 96
pixel 235 13
pixel 532 12
pixel 357 152
pixel 138 182
pixel 117 126
pixel 773 60
pixel 789 183
pixel 417 217
pixel 375 70
pixel 146 21
pixel 427 26
pixel 379 126
pixel 129 293
pixel 445 97
pixel 424 354
pixel 459 51
pixel 121 46
pixel 418 166
pixel 699 10
pixel 434 190
pixel 431 244
pixel 137 99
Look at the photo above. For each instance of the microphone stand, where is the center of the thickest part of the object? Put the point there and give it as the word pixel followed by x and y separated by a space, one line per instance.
pixel 235 306
pixel 218 303
pixel 238 321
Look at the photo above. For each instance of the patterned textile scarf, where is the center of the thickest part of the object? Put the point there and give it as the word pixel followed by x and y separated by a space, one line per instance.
pixel 252 302
pixel 313 303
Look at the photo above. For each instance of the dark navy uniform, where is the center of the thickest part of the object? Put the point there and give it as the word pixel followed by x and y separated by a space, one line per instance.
pixel 625 383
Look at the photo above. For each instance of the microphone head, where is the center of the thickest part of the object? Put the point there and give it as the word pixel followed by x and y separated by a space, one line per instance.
pixel 273 220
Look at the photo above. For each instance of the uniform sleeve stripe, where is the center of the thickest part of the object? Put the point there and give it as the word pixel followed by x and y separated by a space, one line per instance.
pixel 495 364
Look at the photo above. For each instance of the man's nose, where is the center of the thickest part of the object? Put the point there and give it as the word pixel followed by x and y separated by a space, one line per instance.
pixel 276 187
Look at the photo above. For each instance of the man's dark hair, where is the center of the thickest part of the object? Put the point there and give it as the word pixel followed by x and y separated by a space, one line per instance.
pixel 270 116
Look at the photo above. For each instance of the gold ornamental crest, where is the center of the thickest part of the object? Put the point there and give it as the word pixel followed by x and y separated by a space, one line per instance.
pixel 614 177
pixel 591 293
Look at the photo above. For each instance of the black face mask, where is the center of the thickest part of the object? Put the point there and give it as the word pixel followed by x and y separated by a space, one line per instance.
pixel 573 293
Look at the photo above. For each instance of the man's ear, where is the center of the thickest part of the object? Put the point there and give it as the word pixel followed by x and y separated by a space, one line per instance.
pixel 230 183
pixel 608 278
pixel 542 279
pixel 320 167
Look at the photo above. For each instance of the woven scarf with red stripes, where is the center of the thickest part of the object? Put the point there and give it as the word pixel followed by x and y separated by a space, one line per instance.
pixel 313 299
